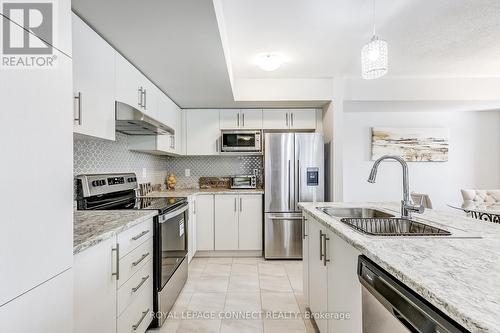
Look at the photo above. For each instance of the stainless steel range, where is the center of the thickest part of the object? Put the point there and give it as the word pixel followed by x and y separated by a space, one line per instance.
pixel 170 266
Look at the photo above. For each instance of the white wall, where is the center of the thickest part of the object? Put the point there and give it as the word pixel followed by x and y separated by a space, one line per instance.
pixel 474 157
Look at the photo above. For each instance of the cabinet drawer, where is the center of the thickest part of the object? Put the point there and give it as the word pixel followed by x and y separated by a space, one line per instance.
pixel 135 236
pixel 138 315
pixel 130 290
pixel 135 260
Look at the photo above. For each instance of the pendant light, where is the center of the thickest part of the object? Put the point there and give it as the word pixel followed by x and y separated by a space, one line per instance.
pixel 374 56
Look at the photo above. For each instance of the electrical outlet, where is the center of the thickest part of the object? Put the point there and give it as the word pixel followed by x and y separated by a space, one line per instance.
pixel 187 172
pixel 144 173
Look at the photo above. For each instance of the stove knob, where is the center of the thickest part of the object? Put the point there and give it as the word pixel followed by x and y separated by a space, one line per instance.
pixel 95 183
pixel 102 182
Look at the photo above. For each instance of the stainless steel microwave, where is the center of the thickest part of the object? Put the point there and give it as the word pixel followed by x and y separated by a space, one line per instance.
pixel 241 141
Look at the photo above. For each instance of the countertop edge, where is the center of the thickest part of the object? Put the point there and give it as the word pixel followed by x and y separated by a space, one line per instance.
pixel 96 239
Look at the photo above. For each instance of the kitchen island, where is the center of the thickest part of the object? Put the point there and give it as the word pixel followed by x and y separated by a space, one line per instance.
pixel 458 274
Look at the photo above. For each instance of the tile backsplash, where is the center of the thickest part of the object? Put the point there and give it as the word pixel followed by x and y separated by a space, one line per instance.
pixel 212 166
pixel 101 156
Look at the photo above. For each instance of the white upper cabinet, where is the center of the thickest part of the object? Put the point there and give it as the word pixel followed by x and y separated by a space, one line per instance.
pixel 229 118
pixel 133 88
pixel 299 119
pixel 241 118
pixel 275 119
pixel 302 118
pixel 202 132
pixel 93 83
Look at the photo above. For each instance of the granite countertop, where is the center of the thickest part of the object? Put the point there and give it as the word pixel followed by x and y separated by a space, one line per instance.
pixel 93 227
pixel 195 191
pixel 460 276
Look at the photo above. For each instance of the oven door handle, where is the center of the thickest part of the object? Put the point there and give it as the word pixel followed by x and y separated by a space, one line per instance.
pixel 165 217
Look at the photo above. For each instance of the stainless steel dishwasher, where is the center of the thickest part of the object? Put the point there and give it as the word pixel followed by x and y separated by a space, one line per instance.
pixel 390 306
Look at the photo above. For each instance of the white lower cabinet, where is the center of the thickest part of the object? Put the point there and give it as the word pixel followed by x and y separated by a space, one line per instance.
pixel 250 222
pixel 204 211
pixel 305 259
pixel 95 288
pixel 192 247
pixel 113 284
pixel 238 222
pixel 333 283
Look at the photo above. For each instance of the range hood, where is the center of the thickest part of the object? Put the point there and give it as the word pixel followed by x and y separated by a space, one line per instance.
pixel 131 121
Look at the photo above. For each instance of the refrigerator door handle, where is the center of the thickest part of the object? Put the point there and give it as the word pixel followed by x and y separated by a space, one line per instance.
pixel 289 185
pixel 297 196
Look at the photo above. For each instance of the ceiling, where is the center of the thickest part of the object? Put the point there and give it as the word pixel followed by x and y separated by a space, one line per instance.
pixel 323 38
pixel 178 44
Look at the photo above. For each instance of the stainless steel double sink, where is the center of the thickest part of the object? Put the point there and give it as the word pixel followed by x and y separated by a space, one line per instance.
pixel 375 222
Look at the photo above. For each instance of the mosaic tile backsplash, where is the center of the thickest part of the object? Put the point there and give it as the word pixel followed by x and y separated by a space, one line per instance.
pixel 212 166
pixel 102 156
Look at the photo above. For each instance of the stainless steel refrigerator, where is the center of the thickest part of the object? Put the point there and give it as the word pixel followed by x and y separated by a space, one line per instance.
pixel 294 172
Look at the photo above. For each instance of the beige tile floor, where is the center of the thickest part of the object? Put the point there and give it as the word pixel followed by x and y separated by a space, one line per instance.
pixel 240 285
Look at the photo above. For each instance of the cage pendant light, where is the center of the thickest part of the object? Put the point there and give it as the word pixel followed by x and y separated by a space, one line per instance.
pixel 374 56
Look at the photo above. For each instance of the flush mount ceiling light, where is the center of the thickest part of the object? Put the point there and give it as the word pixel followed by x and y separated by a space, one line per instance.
pixel 374 56
pixel 269 61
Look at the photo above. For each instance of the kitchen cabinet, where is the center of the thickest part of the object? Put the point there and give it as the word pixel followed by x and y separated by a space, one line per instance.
pixel 113 286
pixel 202 132
pixel 204 211
pixel 305 259
pixel 226 222
pixel 240 118
pixel 275 119
pixel 93 83
pixel 238 222
pixel 48 308
pixel 332 281
pixel 36 248
pixel 192 247
pixel 250 222
pixel 318 285
pixel 95 288
pixel 302 119
pixel 133 88
pixel 293 119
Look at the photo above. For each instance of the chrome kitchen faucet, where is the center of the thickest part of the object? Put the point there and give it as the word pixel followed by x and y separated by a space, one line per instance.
pixel 407 206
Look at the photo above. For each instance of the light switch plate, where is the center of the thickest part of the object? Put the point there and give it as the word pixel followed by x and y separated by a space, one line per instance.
pixel 144 173
pixel 187 172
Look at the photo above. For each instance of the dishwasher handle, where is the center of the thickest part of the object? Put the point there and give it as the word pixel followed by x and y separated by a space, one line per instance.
pixel 414 312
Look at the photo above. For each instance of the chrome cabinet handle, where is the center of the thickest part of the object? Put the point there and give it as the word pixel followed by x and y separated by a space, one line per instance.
pixel 238 119
pixel 117 250
pixel 144 279
pixel 173 142
pixel 286 119
pixel 145 102
pixel 321 234
pixel 78 97
pixel 241 204
pixel 284 218
pixel 140 97
pixel 194 207
pixel 136 326
pixel 325 239
pixel 243 119
pixel 140 235
pixel 235 204
pixel 291 119
pixel 144 256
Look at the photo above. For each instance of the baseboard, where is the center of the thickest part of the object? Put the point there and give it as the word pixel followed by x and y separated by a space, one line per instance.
pixel 218 254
